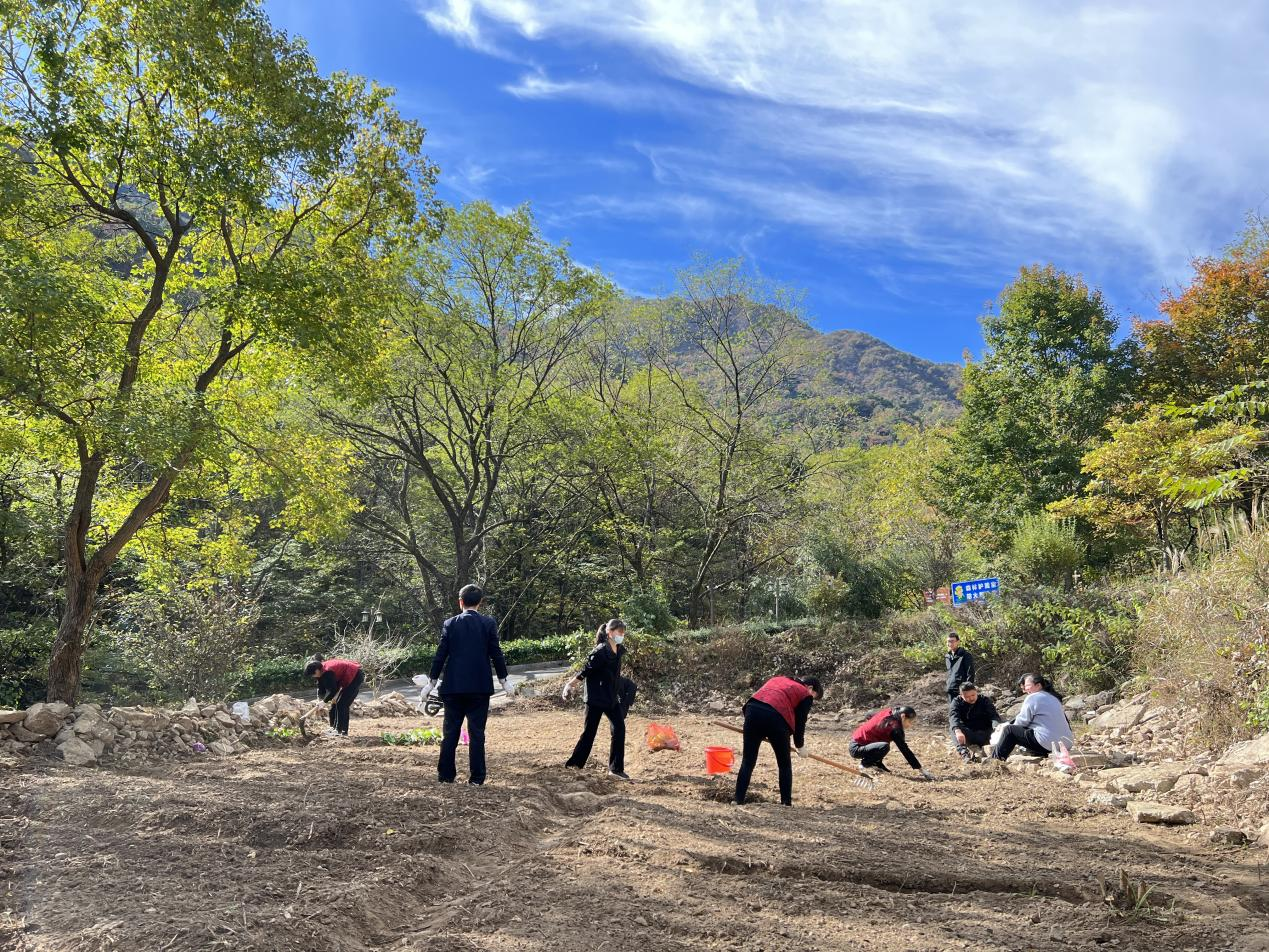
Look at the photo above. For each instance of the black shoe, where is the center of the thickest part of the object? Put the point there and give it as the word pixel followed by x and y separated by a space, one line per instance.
pixel 573 765
pixel 475 783
pixel 877 766
pixel 619 774
pixel 440 780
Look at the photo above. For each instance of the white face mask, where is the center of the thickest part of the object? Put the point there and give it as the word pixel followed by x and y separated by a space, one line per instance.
pixel 618 639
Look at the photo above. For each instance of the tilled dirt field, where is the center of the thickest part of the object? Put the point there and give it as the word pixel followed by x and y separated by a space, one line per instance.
pixel 353 845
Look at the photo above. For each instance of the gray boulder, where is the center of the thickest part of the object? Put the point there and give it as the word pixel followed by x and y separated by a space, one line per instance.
pixel 45 719
pixel 1146 812
pixel 77 753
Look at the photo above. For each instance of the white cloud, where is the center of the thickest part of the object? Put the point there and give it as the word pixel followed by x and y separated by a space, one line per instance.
pixel 1134 126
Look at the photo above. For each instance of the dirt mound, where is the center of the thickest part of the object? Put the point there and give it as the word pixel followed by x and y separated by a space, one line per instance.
pixel 353 845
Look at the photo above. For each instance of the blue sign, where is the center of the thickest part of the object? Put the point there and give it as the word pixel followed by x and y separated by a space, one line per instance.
pixel 965 592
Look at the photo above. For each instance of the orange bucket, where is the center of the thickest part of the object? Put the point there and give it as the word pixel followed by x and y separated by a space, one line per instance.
pixel 719 759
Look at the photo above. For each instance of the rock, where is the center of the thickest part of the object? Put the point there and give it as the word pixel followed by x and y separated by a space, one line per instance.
pixel 190 707
pixel 24 735
pixel 1089 759
pixel 1188 783
pixel 1228 836
pixel 1106 799
pixel 77 753
pixel 717 706
pixel 1158 778
pixel 1075 704
pixel 1249 753
pixel 11 717
pixel 45 719
pixel 224 719
pixel 1147 812
pixel 1263 836
pixel 1124 716
pixel 138 719
pixel 222 747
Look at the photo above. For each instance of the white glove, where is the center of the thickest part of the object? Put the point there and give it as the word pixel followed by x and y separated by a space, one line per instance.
pixel 428 686
pixel 802 751
pixel 926 775
pixel 568 686
pixel 506 687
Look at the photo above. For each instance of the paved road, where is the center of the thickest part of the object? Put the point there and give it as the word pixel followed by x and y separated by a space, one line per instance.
pixel 517 676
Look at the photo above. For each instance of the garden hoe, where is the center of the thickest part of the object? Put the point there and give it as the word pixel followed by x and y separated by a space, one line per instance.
pixel 862 780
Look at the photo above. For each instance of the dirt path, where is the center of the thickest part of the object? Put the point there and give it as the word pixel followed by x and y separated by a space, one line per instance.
pixel 354 846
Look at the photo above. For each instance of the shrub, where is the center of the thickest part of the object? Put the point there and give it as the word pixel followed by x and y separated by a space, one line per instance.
pixel 1046 550
pixel 1083 639
pixel 647 608
pixel 24 653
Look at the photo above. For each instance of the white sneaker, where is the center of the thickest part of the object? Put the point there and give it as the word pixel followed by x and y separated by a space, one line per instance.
pixel 330 732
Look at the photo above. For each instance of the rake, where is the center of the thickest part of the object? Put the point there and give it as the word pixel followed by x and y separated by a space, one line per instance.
pixel 861 779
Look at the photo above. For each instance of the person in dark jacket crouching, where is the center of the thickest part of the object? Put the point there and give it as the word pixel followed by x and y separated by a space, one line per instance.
pixel 971 720
pixel 338 683
pixel 469 643
pixel 777 712
pixel 872 739
pixel 602 674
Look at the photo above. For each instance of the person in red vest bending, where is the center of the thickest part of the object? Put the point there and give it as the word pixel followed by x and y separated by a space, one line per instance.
pixel 872 739
pixel 338 681
pixel 776 712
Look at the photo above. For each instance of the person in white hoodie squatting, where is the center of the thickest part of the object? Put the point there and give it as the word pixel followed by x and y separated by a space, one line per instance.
pixel 1041 724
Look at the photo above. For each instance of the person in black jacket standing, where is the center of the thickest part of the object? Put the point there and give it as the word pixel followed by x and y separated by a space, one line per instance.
pixel 469 642
pixel 602 673
pixel 971 720
pixel 960 667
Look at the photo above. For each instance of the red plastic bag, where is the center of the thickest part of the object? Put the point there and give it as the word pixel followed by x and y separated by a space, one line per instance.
pixel 662 737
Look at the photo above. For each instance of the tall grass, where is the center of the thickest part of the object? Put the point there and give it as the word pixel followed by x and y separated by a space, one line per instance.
pixel 1205 639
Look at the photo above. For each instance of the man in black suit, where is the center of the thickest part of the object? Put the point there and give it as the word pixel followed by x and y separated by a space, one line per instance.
pixel 469 642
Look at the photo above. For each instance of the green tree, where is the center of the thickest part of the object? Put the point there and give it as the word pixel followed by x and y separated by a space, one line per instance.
pixel 1037 401
pixel 472 399
pixel 187 204
pixel 732 344
pixel 1138 478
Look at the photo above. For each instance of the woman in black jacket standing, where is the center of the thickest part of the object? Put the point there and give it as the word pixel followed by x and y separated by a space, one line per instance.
pixel 602 673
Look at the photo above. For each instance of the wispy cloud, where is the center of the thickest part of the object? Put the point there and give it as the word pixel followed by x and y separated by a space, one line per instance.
pixel 1027 127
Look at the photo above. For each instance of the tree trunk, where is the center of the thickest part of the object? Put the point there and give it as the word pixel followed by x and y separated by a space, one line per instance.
pixel 68 646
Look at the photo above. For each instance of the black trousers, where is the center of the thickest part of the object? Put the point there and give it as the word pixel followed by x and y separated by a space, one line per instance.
pixel 1015 736
pixel 474 709
pixel 340 710
pixel 764 723
pixel 869 755
pixel 973 738
pixel 616 748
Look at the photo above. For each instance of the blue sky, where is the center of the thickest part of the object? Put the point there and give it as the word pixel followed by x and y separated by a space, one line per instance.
pixel 895 161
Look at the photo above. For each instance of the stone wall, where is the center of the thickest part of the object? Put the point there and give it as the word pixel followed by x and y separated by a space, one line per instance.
pixel 88 733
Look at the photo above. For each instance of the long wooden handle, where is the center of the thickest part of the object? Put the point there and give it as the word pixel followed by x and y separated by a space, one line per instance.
pixel 823 760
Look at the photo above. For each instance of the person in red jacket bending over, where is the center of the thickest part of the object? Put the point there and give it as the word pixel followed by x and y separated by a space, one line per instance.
pixel 338 681
pixel 872 739
pixel 776 712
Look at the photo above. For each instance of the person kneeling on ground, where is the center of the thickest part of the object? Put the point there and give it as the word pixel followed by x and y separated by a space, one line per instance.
pixel 777 711
pixel 971 720
pixel 338 682
pixel 872 739
pixel 1041 724
pixel 602 674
